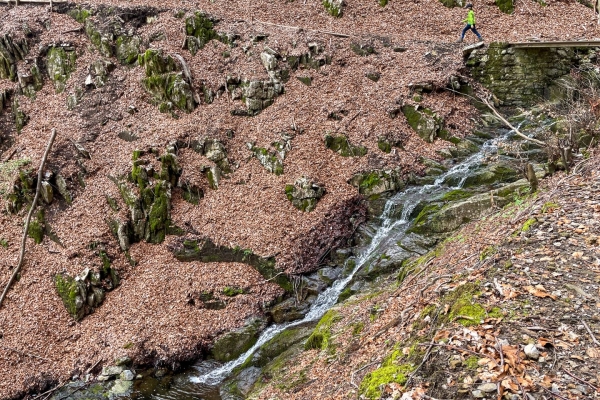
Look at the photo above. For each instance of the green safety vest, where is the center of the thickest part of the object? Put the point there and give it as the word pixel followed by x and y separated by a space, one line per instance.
pixel 470 18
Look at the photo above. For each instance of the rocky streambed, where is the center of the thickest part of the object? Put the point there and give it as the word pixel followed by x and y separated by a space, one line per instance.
pixel 480 174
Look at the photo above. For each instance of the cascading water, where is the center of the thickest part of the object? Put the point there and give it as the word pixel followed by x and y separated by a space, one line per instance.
pixel 391 231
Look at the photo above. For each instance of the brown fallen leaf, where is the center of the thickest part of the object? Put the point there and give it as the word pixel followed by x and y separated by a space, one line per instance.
pixel 539 291
pixel 593 352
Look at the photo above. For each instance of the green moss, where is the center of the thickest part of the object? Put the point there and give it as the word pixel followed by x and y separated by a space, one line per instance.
pixel 232 291
pixel 455 195
pixel 462 305
pixel 374 382
pixel 471 362
pixel 528 224
pixel 506 6
pixel 200 30
pixel 127 49
pixel 4 243
pixel 383 3
pixel 36 227
pixel 487 252
pixel 79 14
pixel 68 290
pixel 425 213
pixel 342 146
pixel 158 216
pixel 384 145
pixel 549 206
pixel 128 345
pixel 268 160
pixel 21 119
pixel 320 338
pixel 307 80
pixel 357 328
pixel 370 180
pixel 60 65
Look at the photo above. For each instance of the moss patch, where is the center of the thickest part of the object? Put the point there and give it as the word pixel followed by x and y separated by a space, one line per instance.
pixel 68 290
pixel 455 195
pixel 374 382
pixel 320 338
pixel 341 145
pixel 36 227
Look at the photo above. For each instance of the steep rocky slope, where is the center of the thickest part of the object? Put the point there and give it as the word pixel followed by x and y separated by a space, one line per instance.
pixel 504 308
pixel 182 122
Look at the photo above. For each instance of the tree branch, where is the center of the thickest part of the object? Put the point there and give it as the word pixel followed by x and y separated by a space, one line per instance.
pixel 33 204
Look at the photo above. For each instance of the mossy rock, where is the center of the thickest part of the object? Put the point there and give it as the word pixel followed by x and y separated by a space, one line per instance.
pixel 377 182
pixel 16 184
pixel 60 64
pixel 423 121
pixel 155 63
pixel 103 41
pixel 362 49
pixel 320 338
pixel 506 6
pixel 79 14
pixel 304 194
pixel 341 145
pixel 199 29
pixel 21 119
pixel 127 49
pixel 268 159
pixel 231 345
pixel 32 83
pixel 70 291
pixel 279 344
pixel 170 90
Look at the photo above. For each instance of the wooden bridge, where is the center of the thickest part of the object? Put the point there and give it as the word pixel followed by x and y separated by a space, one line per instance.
pixel 557 43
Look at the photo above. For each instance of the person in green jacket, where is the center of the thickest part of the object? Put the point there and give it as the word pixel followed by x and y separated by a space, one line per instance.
pixel 470 24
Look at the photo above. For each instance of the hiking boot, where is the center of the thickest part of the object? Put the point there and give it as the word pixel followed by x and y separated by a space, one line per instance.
pixel 480 39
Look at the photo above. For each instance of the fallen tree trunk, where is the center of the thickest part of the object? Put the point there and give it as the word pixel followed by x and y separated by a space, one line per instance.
pixel 28 219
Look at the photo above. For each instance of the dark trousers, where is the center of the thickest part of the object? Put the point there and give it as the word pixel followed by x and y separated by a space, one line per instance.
pixel 471 28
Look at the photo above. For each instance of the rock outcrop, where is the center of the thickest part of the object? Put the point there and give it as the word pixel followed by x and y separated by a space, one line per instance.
pixel 304 194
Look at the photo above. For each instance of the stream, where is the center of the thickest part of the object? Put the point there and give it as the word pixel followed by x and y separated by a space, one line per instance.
pixel 202 380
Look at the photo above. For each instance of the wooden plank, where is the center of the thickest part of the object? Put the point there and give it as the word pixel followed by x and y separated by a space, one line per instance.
pixel 33 1
pixel 567 43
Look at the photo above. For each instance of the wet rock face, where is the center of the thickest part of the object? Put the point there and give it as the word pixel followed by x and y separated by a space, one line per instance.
pixel 168 88
pixel 423 121
pixel 233 344
pixel 304 194
pixel 377 182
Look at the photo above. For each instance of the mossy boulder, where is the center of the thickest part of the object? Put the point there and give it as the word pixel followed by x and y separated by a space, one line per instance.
pixel 102 39
pixel 168 88
pixel 259 94
pixel 16 184
pixel 335 8
pixel 70 292
pixel 490 174
pixel 60 64
pixel 341 145
pixel 437 218
pixel 377 182
pixel 31 82
pixel 127 49
pixel 269 159
pixel 232 344
pixel 426 123
pixel 199 29
pixel 11 52
pixel 304 194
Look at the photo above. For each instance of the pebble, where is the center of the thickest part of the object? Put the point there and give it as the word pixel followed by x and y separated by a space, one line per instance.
pixel 127 375
pixel 478 394
pixel 532 352
pixel 488 387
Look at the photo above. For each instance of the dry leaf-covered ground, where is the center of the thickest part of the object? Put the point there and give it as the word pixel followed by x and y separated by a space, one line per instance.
pixel 148 313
